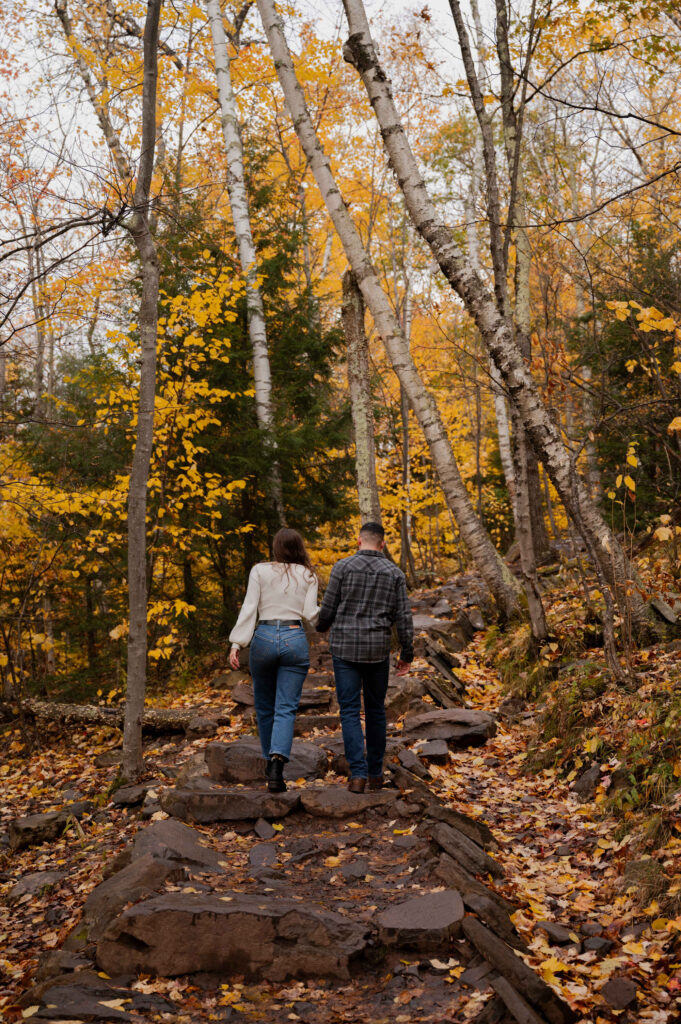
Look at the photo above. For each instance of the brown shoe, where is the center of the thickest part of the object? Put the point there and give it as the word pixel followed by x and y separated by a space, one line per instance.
pixel 375 782
pixel 357 785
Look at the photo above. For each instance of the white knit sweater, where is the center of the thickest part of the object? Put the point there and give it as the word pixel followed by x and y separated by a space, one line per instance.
pixel 274 593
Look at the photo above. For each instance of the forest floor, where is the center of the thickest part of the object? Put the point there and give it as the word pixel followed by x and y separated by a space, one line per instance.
pixel 564 862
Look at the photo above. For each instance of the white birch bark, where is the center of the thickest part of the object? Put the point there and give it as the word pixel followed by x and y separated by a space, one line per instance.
pixel 359 386
pixel 139 228
pixel 248 258
pixel 492 321
pixel 483 553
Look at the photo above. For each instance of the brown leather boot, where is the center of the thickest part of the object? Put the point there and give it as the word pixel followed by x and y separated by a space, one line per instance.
pixel 375 782
pixel 357 785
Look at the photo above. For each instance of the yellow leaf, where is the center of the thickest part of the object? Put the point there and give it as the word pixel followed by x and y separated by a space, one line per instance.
pixel 332 862
pixel 628 482
pixel 675 425
pixel 632 460
pixel 676 367
pixel 278 827
pixel 660 924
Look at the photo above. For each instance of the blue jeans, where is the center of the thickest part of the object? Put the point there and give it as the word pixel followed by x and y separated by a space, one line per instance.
pixel 371 678
pixel 279 661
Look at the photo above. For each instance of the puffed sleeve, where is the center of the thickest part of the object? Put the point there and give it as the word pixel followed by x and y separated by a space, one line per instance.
pixel 242 633
pixel 310 609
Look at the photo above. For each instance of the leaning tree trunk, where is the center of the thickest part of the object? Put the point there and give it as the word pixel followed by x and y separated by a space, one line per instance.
pixel 141 460
pixel 486 558
pixel 494 326
pixel 248 257
pixel 359 386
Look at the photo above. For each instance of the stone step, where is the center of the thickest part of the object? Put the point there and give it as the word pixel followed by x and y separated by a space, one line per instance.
pixel 459 727
pixel 242 761
pixel 204 803
pixel 255 936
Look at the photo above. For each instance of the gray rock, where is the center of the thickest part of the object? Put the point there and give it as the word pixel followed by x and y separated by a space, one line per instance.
pixel 441 607
pixel 619 993
pixel 268 938
pixel 435 751
pixel 263 829
pixel 409 760
pixel 109 758
pixel 558 935
pixel 338 802
pixel 425 923
pixel 57 962
pixel 356 868
pixel 82 996
pixel 311 697
pixel 406 842
pixel 476 618
pixel 201 726
pixel 170 840
pixel 34 881
pixel 39 828
pixel 139 879
pixel 598 944
pixel 242 761
pixel 131 796
pixel 591 928
pixel 459 727
pixel 262 854
pixel 216 804
pixel 585 785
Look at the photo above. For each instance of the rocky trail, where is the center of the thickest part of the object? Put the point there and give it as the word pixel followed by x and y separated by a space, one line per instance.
pixel 463 891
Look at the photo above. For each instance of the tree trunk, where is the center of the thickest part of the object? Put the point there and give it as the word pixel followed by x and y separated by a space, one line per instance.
pixel 523 267
pixel 248 257
pixel 486 558
pixel 141 460
pixel 494 326
pixel 359 386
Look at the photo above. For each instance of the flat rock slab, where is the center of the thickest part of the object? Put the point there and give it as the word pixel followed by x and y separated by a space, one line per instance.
pixel 39 828
pixel 311 697
pixel 426 923
pixel 242 761
pixel 338 802
pixel 171 841
pixel 436 751
pixel 261 937
pixel 137 880
pixel 131 796
pixel 83 996
pixel 459 727
pixel 34 882
pixel 209 804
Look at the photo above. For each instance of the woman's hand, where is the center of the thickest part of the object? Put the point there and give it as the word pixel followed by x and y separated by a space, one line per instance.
pixel 234 659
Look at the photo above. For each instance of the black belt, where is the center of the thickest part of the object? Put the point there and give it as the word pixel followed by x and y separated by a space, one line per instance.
pixel 280 622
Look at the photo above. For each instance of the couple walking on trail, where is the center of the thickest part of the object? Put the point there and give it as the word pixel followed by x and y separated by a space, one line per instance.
pixel 366 596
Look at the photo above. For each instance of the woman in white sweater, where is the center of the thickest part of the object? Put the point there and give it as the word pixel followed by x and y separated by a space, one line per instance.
pixel 281 595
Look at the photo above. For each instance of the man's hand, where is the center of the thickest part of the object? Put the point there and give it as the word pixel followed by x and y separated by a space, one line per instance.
pixel 234 658
pixel 402 667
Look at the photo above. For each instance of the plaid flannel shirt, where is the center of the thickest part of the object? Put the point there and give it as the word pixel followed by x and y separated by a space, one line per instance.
pixel 366 595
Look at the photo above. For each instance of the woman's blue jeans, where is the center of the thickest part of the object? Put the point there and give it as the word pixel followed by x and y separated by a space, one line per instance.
pixel 279 662
pixel 352 679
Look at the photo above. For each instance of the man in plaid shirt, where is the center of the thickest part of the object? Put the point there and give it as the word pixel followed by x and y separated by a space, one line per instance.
pixel 366 595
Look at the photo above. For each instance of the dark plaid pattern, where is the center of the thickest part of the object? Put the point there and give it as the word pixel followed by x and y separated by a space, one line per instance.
pixel 366 595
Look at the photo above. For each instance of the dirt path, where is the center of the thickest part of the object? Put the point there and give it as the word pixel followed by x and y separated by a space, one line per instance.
pixel 559 864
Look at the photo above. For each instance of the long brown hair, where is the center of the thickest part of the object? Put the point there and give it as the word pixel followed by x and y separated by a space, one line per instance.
pixel 288 548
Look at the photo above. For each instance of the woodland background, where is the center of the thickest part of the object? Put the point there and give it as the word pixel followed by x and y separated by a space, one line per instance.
pixel 588 210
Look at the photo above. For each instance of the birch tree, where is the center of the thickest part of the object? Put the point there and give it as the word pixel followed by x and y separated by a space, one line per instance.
pixel 489 312
pixel 359 387
pixel 138 226
pixel 497 575
pixel 248 258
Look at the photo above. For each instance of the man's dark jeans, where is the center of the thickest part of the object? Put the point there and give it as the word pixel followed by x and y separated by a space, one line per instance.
pixel 352 679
